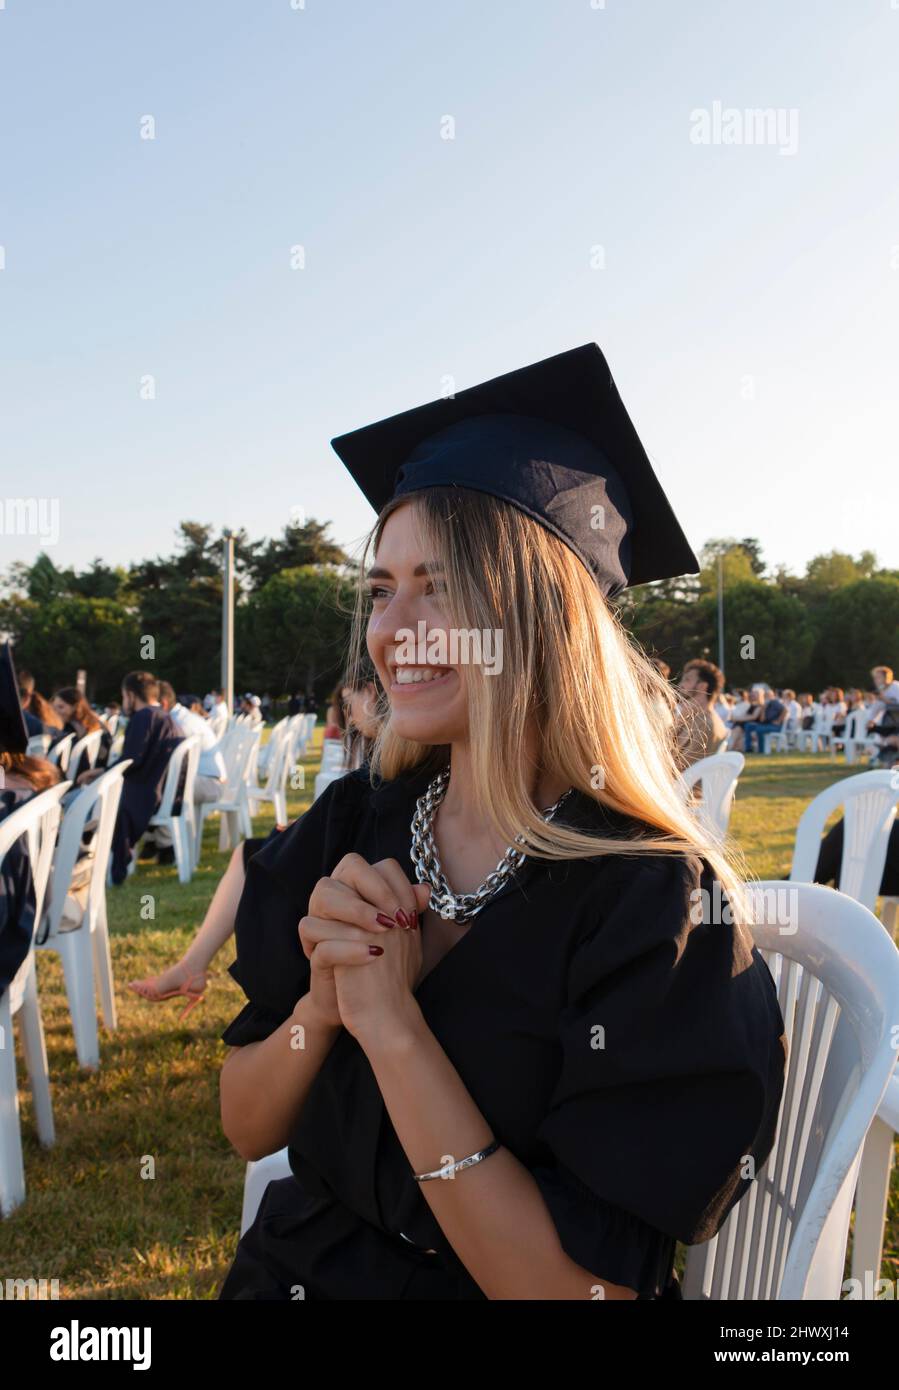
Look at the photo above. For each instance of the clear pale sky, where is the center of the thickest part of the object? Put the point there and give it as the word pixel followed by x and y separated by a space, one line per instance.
pixel 747 304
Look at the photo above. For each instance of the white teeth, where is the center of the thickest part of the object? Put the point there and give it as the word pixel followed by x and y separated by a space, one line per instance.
pixel 415 675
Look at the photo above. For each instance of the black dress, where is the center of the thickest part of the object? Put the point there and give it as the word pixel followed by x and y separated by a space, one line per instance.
pixel 629 1057
pixel 150 740
pixel 17 901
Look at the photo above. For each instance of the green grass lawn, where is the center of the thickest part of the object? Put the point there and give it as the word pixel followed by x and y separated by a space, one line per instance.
pixel 93 1219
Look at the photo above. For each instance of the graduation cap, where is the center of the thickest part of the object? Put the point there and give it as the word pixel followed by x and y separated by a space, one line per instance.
pixel 555 440
pixel 13 731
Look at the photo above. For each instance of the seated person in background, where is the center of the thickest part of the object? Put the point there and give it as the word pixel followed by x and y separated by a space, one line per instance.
pixel 209 782
pixel 750 714
pixel 251 707
pixel 79 719
pixel 21 778
pixel 185 711
pixel 837 706
pixel 808 708
pixel 40 716
pixel 700 731
pixel 886 700
pixel 335 715
pixel 151 738
pixel 830 855
pixel 770 721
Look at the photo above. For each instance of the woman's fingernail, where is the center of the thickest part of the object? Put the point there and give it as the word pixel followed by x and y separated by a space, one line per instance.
pixel 415 919
pixel 384 920
pixel 402 918
pixel 376 950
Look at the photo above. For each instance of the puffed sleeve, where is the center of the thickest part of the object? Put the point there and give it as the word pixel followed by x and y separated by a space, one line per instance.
pixel 672 1064
pixel 271 968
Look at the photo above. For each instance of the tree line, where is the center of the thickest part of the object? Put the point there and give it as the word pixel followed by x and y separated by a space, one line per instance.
pixel 295 596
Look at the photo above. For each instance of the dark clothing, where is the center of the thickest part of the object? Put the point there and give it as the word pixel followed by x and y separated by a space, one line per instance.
pixel 17 904
pixel 629 1058
pixel 772 712
pixel 84 765
pixel 830 859
pixel 150 739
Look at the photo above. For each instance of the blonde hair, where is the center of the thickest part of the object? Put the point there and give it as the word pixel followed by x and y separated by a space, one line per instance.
pixel 605 719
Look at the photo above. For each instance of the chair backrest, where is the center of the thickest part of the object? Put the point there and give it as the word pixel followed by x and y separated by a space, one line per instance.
pixel 38 820
pixel 279 760
pixel 869 802
pixel 718 775
pixel 38 745
pixel 59 753
pixel 837 978
pixel 333 754
pixel 88 746
pixel 185 756
pixel 239 750
pixel 310 725
pixel 97 800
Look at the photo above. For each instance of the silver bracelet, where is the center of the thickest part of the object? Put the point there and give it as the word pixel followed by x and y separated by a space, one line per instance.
pixel 463 1163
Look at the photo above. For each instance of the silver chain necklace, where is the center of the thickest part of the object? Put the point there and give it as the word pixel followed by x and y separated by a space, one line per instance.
pixel 458 907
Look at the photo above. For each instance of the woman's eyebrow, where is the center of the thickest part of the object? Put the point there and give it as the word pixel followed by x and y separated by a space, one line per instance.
pixel 378 571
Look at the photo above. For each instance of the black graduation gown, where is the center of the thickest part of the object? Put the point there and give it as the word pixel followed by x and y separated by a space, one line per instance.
pixel 102 759
pixel 17 902
pixel 634 1144
pixel 150 739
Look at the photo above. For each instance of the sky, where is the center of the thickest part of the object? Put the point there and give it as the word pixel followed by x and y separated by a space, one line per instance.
pixel 348 209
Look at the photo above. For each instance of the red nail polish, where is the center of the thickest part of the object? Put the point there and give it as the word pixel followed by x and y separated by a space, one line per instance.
pixel 415 919
pixel 384 920
pixel 402 918
pixel 376 950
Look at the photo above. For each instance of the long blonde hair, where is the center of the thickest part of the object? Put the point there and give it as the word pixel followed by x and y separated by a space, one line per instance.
pixel 604 717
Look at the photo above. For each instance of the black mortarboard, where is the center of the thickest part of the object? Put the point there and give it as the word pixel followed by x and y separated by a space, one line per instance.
pixel 13 733
pixel 555 440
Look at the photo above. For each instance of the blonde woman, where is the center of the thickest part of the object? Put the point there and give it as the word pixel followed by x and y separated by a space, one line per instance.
pixel 501 1007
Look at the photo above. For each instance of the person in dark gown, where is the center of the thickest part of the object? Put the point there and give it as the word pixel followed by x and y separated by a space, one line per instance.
pixel 605 1062
pixel 21 778
pixel 79 719
pixel 150 739
pixel 41 718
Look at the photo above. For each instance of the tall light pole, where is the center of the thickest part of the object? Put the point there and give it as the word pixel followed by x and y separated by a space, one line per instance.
pixel 228 619
pixel 720 613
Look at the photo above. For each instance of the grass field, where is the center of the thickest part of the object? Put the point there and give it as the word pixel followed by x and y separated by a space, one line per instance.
pixel 92 1219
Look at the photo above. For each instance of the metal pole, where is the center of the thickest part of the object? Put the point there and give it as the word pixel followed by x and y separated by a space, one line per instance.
pixel 228 619
pixel 720 613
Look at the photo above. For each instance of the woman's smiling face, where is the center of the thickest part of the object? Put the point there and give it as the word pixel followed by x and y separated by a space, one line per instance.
pixel 427 701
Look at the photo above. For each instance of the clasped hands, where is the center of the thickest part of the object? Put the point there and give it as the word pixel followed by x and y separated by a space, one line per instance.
pixel 360 906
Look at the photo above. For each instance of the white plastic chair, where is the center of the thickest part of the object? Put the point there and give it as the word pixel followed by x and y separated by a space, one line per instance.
pixel 84 950
pixel 718 775
pixel 266 750
pixel 811 740
pixel 274 789
pixel 258 1175
pixel 186 755
pixel 873 1187
pixel 87 747
pixel 37 746
pixel 785 739
pixel 38 820
pixel 869 802
pixel 59 753
pixel 238 749
pixel 837 978
pixel 854 738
